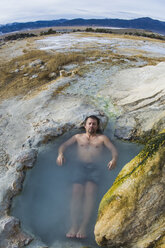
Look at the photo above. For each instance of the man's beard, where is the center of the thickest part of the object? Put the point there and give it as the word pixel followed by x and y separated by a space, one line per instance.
pixel 91 130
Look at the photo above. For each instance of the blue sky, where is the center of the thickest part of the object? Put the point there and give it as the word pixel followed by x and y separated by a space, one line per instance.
pixel 32 10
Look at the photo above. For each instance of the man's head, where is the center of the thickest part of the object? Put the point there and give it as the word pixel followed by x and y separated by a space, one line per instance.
pixel 91 124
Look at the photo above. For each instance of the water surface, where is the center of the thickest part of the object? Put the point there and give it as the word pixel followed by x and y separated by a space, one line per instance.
pixel 43 206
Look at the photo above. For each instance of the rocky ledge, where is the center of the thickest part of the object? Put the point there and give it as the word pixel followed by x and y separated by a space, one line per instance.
pixel 139 94
pixel 131 214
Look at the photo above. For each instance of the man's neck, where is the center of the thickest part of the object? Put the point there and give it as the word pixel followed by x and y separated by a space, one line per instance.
pixel 89 135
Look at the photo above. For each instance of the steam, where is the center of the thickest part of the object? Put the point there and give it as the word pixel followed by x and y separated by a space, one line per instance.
pixel 43 206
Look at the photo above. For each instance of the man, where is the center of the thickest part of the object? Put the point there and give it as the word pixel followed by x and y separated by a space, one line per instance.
pixel 87 173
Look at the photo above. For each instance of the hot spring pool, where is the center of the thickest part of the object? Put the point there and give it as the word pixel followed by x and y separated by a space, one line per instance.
pixel 43 206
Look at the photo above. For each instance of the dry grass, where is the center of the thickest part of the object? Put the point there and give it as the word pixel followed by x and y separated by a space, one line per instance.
pixel 124 36
pixel 60 89
pixel 16 75
pixel 117 59
pixel 150 61
pixel 134 58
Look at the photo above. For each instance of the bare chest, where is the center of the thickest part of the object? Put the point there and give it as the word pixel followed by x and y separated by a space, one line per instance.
pixel 90 144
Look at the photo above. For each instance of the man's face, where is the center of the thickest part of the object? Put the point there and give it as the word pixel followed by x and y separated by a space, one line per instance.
pixel 91 126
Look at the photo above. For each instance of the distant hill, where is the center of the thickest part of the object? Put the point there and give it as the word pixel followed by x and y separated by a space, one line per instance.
pixel 140 23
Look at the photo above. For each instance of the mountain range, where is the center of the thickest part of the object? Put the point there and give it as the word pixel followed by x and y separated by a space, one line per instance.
pixel 145 23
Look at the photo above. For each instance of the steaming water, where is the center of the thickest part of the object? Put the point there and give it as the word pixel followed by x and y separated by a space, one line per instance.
pixel 43 206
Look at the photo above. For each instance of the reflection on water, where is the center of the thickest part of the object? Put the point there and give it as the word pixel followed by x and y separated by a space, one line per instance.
pixel 43 206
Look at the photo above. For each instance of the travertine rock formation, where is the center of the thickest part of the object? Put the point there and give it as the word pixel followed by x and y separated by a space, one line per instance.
pixel 139 93
pixel 132 212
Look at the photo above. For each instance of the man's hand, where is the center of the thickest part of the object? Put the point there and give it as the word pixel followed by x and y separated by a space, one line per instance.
pixel 112 164
pixel 60 159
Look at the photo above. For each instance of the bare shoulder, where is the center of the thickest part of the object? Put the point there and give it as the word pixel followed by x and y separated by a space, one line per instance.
pixel 79 136
pixel 103 137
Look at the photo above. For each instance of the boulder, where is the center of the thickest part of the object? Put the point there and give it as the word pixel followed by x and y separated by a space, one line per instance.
pixel 36 62
pixel 52 75
pixel 64 73
pixel 34 76
pixel 131 213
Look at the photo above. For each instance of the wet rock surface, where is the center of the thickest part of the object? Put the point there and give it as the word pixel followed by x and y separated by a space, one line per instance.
pixel 131 214
pixel 106 88
pixel 11 234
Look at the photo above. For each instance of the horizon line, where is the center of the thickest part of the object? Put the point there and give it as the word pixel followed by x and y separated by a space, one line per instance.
pixel 68 19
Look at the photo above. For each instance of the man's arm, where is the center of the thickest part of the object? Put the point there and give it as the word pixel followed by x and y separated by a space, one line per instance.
pixel 61 159
pixel 113 150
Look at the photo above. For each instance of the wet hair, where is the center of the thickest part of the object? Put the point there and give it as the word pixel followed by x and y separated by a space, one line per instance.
pixel 94 117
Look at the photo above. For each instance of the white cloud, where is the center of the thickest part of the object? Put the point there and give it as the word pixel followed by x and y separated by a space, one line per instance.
pixel 30 10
